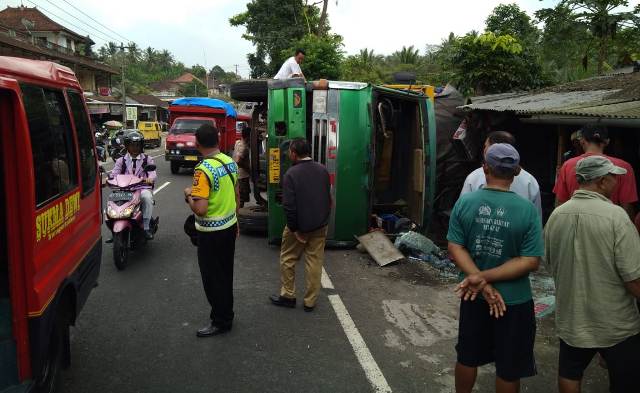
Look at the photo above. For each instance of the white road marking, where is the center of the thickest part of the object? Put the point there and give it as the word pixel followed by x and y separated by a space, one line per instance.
pixel 325 280
pixel 368 363
pixel 159 155
pixel 157 190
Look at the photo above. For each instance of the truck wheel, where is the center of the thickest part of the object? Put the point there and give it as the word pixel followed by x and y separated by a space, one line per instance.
pixel 50 377
pixel 121 249
pixel 175 167
pixel 252 90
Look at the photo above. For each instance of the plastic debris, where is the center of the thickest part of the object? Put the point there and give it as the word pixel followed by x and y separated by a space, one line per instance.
pixel 415 243
pixel 544 306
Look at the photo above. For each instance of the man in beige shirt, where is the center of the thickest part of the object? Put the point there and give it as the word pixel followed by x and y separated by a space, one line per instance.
pixel 593 250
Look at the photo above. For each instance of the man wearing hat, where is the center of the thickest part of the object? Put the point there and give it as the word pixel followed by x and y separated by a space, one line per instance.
pixel 594 139
pixel 495 239
pixel 593 250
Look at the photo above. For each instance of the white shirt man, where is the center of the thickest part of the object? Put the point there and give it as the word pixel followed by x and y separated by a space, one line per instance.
pixel 524 184
pixel 291 67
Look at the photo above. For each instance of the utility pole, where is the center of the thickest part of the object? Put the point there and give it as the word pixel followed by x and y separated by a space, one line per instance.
pixel 122 87
pixel 236 70
pixel 124 94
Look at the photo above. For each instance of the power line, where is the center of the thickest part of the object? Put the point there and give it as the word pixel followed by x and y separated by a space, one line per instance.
pixel 83 13
pixel 110 37
pixel 66 21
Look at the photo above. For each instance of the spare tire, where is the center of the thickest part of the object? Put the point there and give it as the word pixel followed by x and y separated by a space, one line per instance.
pixel 250 90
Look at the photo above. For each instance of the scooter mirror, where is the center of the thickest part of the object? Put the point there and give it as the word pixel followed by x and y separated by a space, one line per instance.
pixel 149 168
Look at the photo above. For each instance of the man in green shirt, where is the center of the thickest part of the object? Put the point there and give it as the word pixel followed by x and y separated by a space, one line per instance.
pixel 495 238
pixel 593 250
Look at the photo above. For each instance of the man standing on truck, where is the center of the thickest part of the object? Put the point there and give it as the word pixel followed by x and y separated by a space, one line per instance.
pixel 241 157
pixel 133 163
pixel 213 198
pixel 307 204
pixel 495 239
pixel 291 67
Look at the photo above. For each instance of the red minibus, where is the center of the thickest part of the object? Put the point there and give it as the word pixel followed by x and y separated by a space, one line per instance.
pixel 50 241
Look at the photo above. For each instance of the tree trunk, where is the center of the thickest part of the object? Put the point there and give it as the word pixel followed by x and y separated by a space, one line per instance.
pixel 323 18
pixel 602 54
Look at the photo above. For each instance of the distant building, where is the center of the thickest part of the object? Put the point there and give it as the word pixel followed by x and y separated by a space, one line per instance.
pixel 170 89
pixel 28 33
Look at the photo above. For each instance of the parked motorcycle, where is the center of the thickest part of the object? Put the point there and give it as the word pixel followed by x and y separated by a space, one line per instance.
pixel 124 216
pixel 101 149
pixel 116 146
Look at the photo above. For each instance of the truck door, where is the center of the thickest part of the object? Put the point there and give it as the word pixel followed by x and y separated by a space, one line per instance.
pixel 286 121
pixel 428 126
pixel 8 366
pixel 324 139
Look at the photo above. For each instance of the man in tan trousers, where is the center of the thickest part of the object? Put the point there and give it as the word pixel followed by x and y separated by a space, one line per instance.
pixel 307 204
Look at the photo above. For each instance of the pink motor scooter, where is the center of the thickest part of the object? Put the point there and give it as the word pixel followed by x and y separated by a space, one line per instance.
pixel 123 215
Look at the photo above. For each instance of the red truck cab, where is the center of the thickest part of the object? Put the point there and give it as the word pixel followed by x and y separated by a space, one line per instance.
pixel 185 116
pixel 50 235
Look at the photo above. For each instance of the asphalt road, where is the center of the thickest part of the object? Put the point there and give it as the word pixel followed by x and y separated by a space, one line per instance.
pixel 379 329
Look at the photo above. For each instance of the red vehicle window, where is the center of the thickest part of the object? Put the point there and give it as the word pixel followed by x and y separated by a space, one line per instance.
pixel 51 142
pixel 187 126
pixel 85 142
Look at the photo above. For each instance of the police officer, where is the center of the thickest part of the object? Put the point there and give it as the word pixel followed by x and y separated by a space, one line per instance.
pixel 214 200
pixel 133 163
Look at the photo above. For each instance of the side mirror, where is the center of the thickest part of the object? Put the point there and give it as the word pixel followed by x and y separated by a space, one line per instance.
pixel 149 168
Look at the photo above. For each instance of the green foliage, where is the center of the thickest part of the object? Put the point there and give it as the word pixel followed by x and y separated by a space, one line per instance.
pixel 222 76
pixel 489 63
pixel 509 19
pixel 145 66
pixel 364 67
pixel 407 55
pixel 599 22
pixel 323 58
pixel 193 89
pixel 273 26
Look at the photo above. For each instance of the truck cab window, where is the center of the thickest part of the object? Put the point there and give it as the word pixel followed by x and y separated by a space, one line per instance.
pixel 54 158
pixel 88 161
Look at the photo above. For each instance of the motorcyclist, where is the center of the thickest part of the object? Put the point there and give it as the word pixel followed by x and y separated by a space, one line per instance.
pixel 132 163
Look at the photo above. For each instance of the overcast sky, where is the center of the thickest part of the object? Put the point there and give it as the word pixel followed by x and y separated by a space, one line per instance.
pixel 198 31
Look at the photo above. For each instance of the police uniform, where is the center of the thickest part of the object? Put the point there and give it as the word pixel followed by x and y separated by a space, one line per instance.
pixel 217 232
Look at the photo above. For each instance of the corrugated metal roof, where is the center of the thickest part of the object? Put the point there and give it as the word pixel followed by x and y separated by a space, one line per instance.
pixel 614 110
pixel 541 101
pixel 573 103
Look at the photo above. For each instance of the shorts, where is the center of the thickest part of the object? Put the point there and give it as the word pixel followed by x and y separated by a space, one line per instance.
pixel 623 363
pixel 244 189
pixel 507 341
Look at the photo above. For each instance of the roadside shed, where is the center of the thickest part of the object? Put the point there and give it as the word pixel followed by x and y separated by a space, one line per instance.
pixel 543 121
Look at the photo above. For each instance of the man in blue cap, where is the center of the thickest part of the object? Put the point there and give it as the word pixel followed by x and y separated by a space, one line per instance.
pixel 495 239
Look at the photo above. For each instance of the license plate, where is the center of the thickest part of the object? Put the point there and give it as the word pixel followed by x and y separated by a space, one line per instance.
pixel 191 158
pixel 121 196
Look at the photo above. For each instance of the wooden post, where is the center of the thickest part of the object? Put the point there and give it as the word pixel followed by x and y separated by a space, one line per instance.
pixel 561 148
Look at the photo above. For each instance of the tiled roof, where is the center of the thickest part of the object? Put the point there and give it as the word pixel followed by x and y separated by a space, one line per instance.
pixel 12 18
pixel 187 78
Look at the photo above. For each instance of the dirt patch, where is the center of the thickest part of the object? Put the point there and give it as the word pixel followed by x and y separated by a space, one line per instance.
pixel 417 273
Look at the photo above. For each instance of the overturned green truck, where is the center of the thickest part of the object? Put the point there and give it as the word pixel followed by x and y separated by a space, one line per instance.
pixel 378 144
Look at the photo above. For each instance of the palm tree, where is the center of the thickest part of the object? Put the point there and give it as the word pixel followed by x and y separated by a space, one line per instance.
pixel 408 55
pixel 368 57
